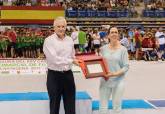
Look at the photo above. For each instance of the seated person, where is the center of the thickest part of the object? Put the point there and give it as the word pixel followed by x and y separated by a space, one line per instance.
pixel 149 48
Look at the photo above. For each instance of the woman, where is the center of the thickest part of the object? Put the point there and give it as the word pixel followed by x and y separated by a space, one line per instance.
pixel 96 41
pixel 116 57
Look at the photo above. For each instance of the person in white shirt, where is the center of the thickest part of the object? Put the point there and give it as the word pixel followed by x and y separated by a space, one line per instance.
pixel 74 36
pixel 96 41
pixel 124 41
pixel 60 55
pixel 160 41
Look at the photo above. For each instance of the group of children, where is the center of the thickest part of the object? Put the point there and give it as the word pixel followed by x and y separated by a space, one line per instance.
pixel 28 44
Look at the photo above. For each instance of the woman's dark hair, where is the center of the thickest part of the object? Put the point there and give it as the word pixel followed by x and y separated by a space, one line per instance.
pixel 110 29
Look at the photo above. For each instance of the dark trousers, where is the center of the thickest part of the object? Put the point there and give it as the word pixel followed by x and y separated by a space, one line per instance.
pixel 61 84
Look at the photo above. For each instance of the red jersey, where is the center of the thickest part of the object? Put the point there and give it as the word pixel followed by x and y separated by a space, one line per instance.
pixel 13 36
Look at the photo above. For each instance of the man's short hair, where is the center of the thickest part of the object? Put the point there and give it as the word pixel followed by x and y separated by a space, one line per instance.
pixel 59 19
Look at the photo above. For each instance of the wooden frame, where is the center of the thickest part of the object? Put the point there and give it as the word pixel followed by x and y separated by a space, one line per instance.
pixel 97 74
pixel 93 66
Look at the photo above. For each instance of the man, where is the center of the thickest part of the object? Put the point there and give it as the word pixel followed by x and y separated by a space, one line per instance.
pixel 160 41
pixel 59 51
pixel 103 34
pixel 137 43
pixel 82 40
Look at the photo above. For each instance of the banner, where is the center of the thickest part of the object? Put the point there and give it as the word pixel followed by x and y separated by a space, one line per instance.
pixel 25 67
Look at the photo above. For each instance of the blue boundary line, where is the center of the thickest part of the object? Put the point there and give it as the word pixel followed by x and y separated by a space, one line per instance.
pixel 36 96
pixel 82 95
pixel 157 103
pixel 127 104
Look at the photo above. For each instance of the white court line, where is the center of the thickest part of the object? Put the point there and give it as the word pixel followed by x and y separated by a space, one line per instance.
pixel 150 104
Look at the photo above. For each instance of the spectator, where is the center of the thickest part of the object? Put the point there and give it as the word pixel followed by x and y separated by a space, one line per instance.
pixel 74 36
pixel 160 38
pixel 1 2
pixel 82 40
pixel 124 41
pixel 96 41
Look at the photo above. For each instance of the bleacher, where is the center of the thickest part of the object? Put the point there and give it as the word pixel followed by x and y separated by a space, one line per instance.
pixel 154 13
pixel 94 14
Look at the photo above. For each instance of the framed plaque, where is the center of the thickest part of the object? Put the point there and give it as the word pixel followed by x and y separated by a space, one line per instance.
pixel 95 69
pixel 93 66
